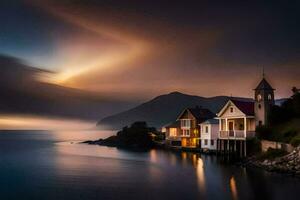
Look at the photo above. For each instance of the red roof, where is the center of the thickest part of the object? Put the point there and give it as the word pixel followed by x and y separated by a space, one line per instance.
pixel 246 107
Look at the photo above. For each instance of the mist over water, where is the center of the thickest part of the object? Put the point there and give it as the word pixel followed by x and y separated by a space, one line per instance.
pixel 33 122
pixel 53 165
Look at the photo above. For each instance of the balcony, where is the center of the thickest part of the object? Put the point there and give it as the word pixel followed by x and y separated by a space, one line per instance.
pixel 236 134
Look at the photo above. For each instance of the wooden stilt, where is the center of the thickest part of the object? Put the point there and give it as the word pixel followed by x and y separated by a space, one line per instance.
pixel 245 147
pixel 228 150
pixel 241 148
pixel 234 146
pixel 217 147
pixel 222 146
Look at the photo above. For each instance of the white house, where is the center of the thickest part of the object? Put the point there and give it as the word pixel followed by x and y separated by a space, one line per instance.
pixel 238 119
pixel 209 134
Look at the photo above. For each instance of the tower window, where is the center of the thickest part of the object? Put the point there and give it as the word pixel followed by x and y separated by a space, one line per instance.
pixel 259 97
pixel 269 97
pixel 259 106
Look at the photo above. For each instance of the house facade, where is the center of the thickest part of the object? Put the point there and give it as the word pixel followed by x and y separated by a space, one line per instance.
pixel 209 130
pixel 190 119
pixel 173 134
pixel 238 119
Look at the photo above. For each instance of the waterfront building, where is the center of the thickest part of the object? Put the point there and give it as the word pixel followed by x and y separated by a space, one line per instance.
pixel 209 130
pixel 189 129
pixel 238 119
pixel 173 134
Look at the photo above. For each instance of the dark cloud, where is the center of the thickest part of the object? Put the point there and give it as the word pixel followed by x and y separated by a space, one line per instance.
pixel 22 93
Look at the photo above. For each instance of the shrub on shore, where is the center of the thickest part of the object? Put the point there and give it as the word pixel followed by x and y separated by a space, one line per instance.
pixel 295 141
pixel 138 136
pixel 271 154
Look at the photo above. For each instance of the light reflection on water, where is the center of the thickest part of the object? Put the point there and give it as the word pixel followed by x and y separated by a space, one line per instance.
pixel 200 174
pixel 233 188
pixel 41 165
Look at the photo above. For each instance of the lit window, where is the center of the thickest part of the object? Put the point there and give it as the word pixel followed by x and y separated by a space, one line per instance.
pixel 173 132
pixel 269 97
pixel 185 132
pixel 259 97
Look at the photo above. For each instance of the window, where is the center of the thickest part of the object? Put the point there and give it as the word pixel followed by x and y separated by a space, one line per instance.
pixel 259 123
pixel 212 142
pixel 206 129
pixel 185 132
pixel 259 97
pixel 231 109
pixel 173 132
pixel 186 123
pixel 205 142
pixel 259 106
pixel 196 131
pixel 241 126
pixel 269 97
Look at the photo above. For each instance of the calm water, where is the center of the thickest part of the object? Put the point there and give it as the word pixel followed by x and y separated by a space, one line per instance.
pixel 48 165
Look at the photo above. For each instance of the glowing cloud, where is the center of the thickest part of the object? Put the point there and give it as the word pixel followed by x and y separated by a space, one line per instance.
pixel 84 59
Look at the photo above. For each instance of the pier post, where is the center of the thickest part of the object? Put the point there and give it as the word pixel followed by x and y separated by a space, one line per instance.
pixel 222 146
pixel 234 146
pixel 217 146
pixel 241 148
pixel 245 151
pixel 228 147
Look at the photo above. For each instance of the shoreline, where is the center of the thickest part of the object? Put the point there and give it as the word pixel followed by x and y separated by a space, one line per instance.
pixel 288 165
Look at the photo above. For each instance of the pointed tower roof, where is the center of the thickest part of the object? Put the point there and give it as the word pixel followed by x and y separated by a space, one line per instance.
pixel 264 85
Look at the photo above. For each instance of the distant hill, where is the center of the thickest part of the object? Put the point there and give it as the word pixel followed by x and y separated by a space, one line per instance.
pixel 163 109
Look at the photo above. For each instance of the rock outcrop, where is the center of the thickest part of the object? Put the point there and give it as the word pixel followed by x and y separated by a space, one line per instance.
pixel 288 164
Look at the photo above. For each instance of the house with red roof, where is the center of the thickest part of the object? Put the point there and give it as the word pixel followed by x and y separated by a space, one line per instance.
pixel 239 119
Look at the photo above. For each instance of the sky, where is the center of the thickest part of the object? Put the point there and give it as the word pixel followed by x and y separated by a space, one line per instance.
pixel 136 50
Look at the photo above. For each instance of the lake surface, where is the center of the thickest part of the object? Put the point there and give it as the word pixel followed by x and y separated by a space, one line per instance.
pixel 52 165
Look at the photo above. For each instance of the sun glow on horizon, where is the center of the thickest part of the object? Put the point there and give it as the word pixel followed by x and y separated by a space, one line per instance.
pixel 16 122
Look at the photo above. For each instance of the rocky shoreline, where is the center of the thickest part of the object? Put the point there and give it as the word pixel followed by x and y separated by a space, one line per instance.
pixel 288 164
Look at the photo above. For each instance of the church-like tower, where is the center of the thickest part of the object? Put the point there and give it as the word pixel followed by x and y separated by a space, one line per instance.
pixel 264 100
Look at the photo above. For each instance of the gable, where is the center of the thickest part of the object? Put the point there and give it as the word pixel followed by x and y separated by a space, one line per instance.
pixel 186 114
pixel 226 111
